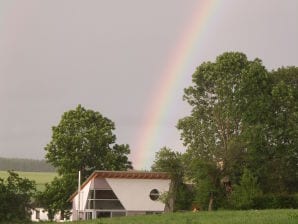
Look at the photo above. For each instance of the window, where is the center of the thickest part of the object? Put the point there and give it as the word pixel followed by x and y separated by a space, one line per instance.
pixel 105 194
pixel 154 194
pixel 104 204
pixel 103 214
pixel 101 194
pixel 104 200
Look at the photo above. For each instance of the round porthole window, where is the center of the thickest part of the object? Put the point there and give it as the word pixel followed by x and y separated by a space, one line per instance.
pixel 154 194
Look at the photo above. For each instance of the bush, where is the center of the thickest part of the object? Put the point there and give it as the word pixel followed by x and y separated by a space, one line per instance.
pixel 244 194
pixel 271 201
pixel 184 197
pixel 15 198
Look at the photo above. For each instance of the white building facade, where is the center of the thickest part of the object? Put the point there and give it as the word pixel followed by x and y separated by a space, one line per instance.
pixel 120 193
pixel 41 215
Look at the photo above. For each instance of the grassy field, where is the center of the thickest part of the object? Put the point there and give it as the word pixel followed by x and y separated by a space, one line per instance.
pixel 286 216
pixel 39 177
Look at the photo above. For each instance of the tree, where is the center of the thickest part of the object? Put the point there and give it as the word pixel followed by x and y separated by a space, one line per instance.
pixel 15 196
pixel 279 139
pixel 55 197
pixel 84 140
pixel 167 160
pixel 205 177
pixel 228 98
pixel 284 126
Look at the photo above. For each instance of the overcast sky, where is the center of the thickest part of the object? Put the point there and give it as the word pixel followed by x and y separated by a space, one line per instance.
pixel 109 56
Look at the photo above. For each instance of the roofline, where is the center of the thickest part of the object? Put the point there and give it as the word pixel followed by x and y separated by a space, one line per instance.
pixel 123 175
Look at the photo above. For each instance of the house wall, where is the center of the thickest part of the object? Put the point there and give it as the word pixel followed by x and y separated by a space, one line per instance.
pixel 134 193
pixel 43 215
pixel 83 198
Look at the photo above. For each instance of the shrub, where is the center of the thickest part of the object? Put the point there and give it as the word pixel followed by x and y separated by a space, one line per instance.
pixel 244 194
pixel 184 197
pixel 15 198
pixel 271 201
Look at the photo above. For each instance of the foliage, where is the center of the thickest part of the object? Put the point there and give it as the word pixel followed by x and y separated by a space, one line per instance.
pixel 275 201
pixel 184 198
pixel 226 98
pixel 167 160
pixel 206 182
pixel 242 116
pixel 84 140
pixel 55 196
pixel 272 142
pixel 281 137
pixel 244 194
pixel 15 197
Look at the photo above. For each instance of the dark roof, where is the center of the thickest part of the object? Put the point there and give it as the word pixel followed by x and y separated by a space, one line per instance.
pixel 123 175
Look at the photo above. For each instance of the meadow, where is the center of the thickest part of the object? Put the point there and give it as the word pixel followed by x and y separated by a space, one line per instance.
pixel 41 178
pixel 282 216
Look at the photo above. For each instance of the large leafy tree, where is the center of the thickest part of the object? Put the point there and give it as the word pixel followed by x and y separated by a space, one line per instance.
pixel 284 128
pixel 242 116
pixel 228 97
pixel 84 140
pixel 15 198
pixel 279 174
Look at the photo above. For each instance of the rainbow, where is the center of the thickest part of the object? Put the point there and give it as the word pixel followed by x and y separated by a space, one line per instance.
pixel 173 74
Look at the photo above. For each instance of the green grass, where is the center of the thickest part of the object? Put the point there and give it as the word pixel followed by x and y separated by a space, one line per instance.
pixel 285 216
pixel 41 178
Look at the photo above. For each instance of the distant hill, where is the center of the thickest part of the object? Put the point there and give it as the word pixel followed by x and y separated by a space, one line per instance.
pixel 26 165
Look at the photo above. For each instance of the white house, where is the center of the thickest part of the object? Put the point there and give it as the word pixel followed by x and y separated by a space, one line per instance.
pixel 120 193
pixel 40 215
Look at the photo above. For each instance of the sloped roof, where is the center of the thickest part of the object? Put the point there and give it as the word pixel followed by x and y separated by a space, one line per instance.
pixel 124 175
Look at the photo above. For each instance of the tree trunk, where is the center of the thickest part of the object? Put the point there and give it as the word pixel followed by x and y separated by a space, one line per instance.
pixel 210 207
pixel 171 198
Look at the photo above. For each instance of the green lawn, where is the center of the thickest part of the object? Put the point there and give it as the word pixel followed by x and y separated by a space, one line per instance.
pixel 286 216
pixel 39 177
